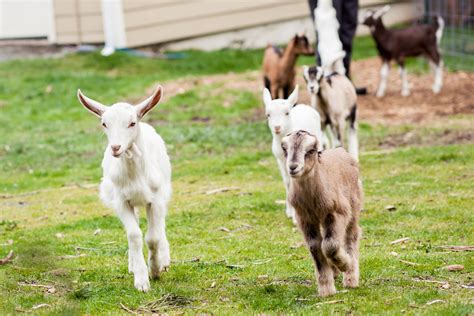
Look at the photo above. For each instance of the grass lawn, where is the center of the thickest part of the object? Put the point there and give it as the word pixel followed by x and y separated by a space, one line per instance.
pixel 233 252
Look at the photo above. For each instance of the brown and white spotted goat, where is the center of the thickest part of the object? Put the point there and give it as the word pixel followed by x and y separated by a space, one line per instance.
pixel 326 193
pixel 279 66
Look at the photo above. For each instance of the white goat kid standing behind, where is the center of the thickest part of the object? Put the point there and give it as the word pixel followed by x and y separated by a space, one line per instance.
pixel 136 172
pixel 284 117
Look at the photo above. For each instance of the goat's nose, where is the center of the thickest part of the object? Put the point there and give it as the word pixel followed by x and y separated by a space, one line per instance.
pixel 115 148
pixel 277 128
pixel 293 167
pixel 311 88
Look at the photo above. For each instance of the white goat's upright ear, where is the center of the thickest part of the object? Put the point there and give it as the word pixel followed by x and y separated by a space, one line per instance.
pixel 144 107
pixel 93 106
pixel 293 98
pixel 267 97
pixel 381 12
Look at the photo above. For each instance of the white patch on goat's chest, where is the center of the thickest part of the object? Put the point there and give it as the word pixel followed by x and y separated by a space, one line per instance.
pixel 133 185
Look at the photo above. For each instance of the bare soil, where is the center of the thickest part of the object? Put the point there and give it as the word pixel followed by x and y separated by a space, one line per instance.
pixel 421 106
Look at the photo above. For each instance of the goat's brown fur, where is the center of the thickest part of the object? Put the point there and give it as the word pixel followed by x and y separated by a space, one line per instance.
pixel 327 198
pixel 279 67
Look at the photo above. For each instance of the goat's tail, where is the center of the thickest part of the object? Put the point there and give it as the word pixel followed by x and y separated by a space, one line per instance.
pixel 439 31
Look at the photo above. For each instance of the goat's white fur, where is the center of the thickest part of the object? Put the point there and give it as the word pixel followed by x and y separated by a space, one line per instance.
pixel 384 71
pixel 329 45
pixel 335 102
pixel 284 117
pixel 137 174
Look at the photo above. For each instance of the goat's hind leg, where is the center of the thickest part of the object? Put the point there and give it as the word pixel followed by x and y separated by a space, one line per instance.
pixel 158 245
pixel 334 227
pixel 351 276
pixel 325 272
pixel 137 263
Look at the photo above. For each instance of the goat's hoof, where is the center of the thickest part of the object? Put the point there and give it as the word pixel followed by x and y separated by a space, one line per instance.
pixel 436 90
pixel 325 291
pixel 142 283
pixel 350 281
pixel 405 93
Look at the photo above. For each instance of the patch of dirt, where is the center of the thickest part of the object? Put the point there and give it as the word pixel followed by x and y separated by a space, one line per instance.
pixel 445 138
pixel 421 106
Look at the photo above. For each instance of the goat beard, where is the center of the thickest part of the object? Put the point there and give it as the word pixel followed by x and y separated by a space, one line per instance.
pixel 133 150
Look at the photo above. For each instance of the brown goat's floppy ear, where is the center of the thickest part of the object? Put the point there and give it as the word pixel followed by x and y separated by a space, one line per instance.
pixel 144 107
pixel 93 106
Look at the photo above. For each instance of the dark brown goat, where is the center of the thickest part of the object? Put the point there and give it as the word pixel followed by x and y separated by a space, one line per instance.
pixel 398 44
pixel 279 66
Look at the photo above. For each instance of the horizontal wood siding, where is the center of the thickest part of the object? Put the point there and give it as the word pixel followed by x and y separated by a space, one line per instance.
pixel 168 22
pixel 159 21
pixel 78 21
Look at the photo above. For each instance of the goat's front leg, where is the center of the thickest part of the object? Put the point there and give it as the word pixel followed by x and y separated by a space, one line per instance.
pixel 438 82
pixel 158 246
pixel 324 270
pixel 290 211
pixel 353 141
pixel 351 276
pixel 137 263
pixel 384 71
pixel 404 78
pixel 334 227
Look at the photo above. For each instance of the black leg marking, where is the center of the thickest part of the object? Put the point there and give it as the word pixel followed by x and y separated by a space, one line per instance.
pixel 352 115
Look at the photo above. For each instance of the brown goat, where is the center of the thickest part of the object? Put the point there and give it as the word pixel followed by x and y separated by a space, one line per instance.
pixel 279 66
pixel 408 42
pixel 326 193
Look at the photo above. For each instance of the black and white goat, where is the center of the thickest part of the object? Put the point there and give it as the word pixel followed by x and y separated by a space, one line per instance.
pixel 398 44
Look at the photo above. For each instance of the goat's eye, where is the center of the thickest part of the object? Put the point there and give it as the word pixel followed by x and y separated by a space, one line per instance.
pixel 268 115
pixel 287 113
pixel 132 124
pixel 104 125
pixel 310 152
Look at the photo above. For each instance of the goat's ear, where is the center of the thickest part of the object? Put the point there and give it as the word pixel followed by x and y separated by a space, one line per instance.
pixel 267 97
pixel 144 107
pixel 319 72
pixel 93 106
pixel 293 98
pixel 306 72
pixel 381 12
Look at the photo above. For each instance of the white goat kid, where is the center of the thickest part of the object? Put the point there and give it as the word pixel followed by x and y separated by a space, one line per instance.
pixel 136 172
pixel 284 117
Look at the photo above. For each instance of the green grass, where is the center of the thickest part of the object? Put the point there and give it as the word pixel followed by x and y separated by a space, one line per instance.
pixel 50 147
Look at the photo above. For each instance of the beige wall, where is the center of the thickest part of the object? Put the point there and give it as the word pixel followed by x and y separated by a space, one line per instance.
pixel 163 21
pixel 78 21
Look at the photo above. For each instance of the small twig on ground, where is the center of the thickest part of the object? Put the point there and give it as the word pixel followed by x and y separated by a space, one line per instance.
pixel 186 261
pixel 72 256
pixel 409 263
pixel 434 302
pixel 457 248
pixel 404 239
pixel 330 302
pixel 220 190
pixel 128 309
pixel 454 267
pixel 7 259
